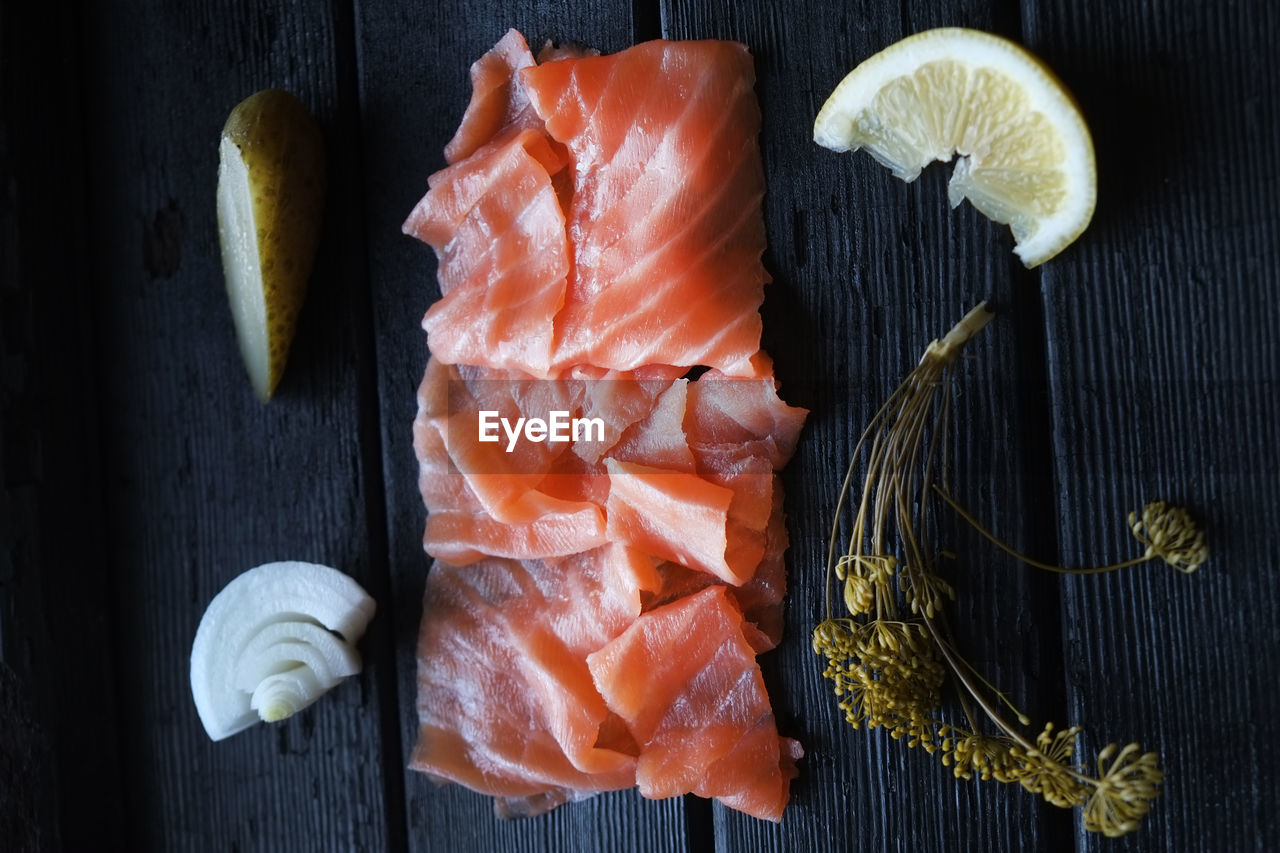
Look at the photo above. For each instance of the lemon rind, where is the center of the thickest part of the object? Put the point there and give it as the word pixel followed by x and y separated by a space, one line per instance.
pixel 855 93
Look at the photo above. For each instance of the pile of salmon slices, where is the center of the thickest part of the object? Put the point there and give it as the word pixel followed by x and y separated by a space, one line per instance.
pixel 607 529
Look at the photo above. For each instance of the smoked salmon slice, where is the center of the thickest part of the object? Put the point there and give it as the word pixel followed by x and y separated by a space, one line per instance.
pixel 686 682
pixel 497 99
pixel 597 601
pixel 672 473
pixel 496 222
pixel 479 501
pixel 665 216
pixel 648 224
pixel 672 515
pixel 759 599
pixel 506 703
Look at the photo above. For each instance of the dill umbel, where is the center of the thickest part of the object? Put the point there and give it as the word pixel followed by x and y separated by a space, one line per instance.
pixel 890 651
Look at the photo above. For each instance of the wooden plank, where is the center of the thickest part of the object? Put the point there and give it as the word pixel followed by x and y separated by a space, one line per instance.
pixel 867 271
pixel 1163 356
pixel 414 87
pixel 201 480
pixel 55 640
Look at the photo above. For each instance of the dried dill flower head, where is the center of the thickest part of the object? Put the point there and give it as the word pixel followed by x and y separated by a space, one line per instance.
pixel 1171 534
pixel 1047 770
pixel 989 756
pixel 1124 791
pixel 886 674
pixel 925 593
pixel 888 669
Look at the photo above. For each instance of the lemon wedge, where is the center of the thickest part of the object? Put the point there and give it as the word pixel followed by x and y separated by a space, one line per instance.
pixel 1025 157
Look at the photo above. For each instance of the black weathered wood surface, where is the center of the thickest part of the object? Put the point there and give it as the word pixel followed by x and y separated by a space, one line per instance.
pixel 55 633
pixel 1164 353
pixel 139 474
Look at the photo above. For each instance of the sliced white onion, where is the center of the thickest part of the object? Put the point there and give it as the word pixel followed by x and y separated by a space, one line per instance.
pixel 266 646
pixel 285 694
pixel 282 645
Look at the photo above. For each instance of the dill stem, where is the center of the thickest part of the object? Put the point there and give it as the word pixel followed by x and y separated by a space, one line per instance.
pixel 953 662
pixel 1000 694
pixel 960 676
pixel 968 712
pixel 1030 561
pixel 1012 733
pixel 844 492
pixel 962 332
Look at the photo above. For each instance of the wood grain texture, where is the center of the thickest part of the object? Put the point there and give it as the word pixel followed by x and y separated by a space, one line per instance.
pixel 413 70
pixel 867 271
pixel 1164 354
pixel 201 480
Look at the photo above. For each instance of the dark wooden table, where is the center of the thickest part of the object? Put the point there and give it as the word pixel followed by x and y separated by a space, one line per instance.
pixel 140 474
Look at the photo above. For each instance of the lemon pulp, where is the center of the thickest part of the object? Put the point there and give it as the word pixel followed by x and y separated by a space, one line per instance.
pixel 1024 154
